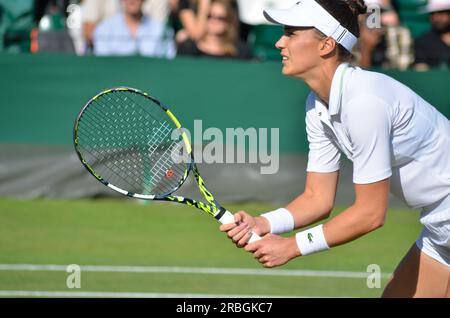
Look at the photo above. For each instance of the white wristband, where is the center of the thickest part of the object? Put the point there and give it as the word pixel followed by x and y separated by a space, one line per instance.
pixel 311 241
pixel 280 220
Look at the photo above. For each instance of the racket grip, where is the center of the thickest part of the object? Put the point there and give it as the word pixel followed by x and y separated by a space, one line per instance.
pixel 228 218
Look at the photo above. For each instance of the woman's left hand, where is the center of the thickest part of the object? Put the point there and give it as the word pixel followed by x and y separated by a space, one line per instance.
pixel 274 250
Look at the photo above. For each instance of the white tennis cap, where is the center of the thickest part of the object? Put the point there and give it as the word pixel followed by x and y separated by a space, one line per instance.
pixel 438 5
pixel 308 13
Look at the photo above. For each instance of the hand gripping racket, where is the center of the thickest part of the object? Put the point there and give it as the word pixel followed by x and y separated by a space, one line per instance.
pixel 134 145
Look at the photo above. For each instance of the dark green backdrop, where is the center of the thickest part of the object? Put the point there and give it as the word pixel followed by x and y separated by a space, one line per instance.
pixel 41 95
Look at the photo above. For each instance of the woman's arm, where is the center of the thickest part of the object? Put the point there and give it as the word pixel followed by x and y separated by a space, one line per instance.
pixel 195 24
pixel 365 215
pixel 317 201
pixel 313 205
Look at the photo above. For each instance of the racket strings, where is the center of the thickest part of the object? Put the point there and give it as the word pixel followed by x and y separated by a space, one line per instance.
pixel 142 109
pixel 129 142
pixel 115 159
pixel 156 144
pixel 164 163
pixel 105 163
pixel 142 119
pixel 111 154
pixel 95 125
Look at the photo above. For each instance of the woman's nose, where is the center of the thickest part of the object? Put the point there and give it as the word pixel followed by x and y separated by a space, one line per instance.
pixel 280 43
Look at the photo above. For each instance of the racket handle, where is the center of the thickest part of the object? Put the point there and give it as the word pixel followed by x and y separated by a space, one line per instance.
pixel 228 218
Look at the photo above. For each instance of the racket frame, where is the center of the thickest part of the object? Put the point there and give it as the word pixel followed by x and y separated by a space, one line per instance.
pixel 212 207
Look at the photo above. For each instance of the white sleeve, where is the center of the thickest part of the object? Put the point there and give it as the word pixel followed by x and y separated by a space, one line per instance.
pixel 91 11
pixel 323 154
pixel 167 44
pixel 157 9
pixel 369 127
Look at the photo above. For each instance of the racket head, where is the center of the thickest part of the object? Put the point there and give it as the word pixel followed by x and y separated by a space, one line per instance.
pixel 125 139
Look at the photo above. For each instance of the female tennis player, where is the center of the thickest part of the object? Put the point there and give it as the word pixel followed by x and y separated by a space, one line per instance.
pixel 397 141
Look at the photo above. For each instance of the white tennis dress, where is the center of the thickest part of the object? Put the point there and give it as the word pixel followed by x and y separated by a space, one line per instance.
pixel 387 131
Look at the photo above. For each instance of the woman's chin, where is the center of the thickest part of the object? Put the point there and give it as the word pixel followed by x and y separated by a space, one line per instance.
pixel 285 71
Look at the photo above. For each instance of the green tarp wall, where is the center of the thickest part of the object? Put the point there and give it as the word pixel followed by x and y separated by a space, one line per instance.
pixel 40 95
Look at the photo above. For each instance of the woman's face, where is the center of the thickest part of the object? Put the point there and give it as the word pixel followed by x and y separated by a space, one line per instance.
pixel 299 49
pixel 217 20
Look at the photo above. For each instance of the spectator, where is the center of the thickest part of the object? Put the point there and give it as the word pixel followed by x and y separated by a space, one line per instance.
pixel 41 7
pixel 383 41
pixel 433 48
pixel 222 35
pixel 51 33
pixel 189 19
pixel 193 15
pixel 95 11
pixel 131 32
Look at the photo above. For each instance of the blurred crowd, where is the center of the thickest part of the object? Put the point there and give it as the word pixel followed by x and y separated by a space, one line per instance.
pixel 397 34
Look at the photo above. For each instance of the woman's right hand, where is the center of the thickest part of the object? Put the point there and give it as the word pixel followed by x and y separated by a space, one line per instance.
pixel 241 231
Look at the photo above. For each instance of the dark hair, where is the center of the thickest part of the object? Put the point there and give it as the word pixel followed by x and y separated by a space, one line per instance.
pixel 346 12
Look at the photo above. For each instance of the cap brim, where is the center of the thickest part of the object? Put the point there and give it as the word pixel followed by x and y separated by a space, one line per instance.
pixel 271 15
pixel 287 17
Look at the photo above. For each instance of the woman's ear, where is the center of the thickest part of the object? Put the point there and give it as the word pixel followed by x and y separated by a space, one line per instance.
pixel 327 46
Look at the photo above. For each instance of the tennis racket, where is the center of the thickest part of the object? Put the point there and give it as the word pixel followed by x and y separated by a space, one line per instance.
pixel 133 144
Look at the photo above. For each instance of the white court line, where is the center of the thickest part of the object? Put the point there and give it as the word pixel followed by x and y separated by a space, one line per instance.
pixel 191 270
pixel 53 294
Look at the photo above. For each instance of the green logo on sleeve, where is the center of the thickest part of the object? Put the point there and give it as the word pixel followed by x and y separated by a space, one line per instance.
pixel 310 237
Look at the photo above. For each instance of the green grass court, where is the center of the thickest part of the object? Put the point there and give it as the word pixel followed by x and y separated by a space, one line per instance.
pixel 124 233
